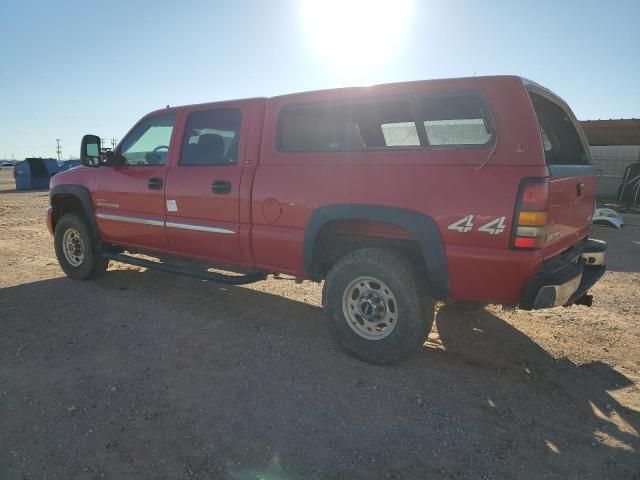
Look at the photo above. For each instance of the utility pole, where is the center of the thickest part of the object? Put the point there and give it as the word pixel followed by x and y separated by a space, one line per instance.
pixel 59 149
pixel 114 142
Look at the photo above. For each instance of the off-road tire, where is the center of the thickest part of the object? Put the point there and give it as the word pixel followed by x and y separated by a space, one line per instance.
pixel 93 264
pixel 415 307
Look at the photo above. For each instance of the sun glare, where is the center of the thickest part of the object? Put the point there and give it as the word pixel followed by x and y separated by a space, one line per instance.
pixel 354 37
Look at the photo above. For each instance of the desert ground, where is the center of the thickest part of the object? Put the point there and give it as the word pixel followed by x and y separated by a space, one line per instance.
pixel 145 375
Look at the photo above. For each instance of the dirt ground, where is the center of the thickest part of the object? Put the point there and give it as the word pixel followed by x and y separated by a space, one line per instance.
pixel 141 374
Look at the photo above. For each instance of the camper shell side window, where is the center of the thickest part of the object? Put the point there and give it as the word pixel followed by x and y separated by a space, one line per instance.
pixel 457 120
pixel 347 126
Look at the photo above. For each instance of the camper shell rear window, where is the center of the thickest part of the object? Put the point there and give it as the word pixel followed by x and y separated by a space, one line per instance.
pixel 560 139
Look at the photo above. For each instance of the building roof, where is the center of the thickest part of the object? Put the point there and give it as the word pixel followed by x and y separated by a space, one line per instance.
pixel 612 132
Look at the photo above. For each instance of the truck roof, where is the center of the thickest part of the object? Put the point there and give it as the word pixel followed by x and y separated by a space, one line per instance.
pixel 354 89
pixel 478 79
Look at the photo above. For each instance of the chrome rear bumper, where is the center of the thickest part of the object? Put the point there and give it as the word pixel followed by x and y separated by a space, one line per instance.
pixel 566 279
pixel 556 295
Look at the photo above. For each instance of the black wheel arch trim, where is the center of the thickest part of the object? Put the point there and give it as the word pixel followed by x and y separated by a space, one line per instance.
pixel 84 196
pixel 422 228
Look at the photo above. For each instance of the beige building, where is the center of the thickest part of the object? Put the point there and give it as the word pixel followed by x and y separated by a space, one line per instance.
pixel 615 144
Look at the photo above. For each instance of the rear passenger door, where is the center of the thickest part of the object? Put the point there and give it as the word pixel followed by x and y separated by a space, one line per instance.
pixel 202 190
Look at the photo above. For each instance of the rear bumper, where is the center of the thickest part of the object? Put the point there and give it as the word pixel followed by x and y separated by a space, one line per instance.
pixel 567 278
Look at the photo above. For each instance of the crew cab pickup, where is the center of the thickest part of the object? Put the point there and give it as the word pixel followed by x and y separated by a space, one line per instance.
pixel 396 195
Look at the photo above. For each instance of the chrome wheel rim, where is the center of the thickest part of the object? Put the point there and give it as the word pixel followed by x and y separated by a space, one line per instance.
pixel 73 247
pixel 370 308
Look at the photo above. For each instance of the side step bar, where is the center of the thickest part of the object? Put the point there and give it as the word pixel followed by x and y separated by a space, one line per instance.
pixel 202 274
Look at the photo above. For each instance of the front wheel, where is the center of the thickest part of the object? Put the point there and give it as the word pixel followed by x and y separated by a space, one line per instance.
pixel 75 249
pixel 378 305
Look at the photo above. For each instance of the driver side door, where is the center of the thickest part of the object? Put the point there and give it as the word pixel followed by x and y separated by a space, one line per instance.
pixel 129 198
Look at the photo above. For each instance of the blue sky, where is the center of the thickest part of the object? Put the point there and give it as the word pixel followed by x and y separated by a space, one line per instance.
pixel 75 67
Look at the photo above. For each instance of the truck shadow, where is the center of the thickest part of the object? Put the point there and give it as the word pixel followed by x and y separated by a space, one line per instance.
pixel 231 382
pixel 556 396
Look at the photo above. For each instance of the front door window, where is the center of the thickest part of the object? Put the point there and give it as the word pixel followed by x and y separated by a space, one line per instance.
pixel 148 142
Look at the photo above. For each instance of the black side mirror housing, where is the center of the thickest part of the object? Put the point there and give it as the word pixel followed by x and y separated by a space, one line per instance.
pixel 90 151
pixel 112 158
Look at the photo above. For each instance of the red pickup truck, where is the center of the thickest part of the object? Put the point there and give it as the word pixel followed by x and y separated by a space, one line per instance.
pixel 395 195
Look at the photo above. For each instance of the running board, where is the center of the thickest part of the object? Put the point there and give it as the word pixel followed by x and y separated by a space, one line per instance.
pixel 202 274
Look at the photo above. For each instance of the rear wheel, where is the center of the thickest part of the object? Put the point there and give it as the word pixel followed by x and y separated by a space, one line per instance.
pixel 378 305
pixel 75 249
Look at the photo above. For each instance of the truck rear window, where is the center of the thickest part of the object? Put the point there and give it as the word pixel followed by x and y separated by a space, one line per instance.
pixel 560 139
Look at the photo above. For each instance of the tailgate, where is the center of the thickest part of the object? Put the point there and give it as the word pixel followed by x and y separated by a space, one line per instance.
pixel 571 201
pixel 572 182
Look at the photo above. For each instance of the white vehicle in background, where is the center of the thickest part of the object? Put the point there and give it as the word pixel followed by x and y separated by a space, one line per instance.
pixel 4 165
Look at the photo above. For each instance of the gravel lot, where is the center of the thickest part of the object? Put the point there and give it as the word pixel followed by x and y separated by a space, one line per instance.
pixel 142 374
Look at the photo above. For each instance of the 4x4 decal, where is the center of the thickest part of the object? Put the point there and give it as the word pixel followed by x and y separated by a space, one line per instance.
pixel 464 225
pixel 494 227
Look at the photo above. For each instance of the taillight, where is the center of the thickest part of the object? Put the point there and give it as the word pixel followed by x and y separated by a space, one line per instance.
pixel 530 219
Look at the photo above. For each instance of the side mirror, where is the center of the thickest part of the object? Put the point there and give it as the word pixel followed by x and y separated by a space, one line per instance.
pixel 90 151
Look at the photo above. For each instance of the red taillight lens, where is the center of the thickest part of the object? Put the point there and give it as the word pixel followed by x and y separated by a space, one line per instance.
pixel 524 242
pixel 534 194
pixel 530 219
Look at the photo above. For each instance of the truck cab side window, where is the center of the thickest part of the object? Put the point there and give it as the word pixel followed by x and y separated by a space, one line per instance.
pixel 211 137
pixel 148 142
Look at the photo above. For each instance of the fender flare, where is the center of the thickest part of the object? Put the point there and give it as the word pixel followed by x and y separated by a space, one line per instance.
pixel 422 228
pixel 83 195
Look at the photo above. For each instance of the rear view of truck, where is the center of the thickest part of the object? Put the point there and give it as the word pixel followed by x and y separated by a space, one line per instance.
pixel 554 214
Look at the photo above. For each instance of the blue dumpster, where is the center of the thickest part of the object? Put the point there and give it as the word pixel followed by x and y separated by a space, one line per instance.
pixel 35 173
pixel 67 164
